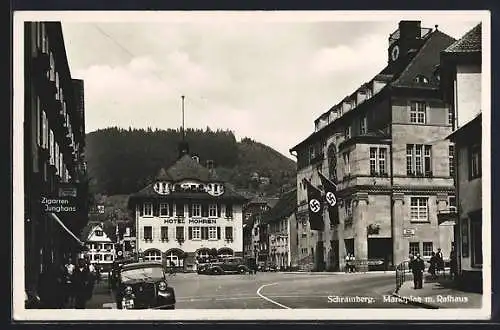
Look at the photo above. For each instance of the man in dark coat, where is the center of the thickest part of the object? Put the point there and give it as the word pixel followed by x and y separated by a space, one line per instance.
pixel 417 267
pixel 81 284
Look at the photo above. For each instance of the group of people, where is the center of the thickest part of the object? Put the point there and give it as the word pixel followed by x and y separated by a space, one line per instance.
pixel 417 266
pixel 66 286
pixel 350 263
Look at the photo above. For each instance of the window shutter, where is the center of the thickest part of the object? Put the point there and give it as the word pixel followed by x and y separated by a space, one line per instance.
pixel 171 209
pixel 204 233
pixel 218 232
pixel 156 209
pixel 190 209
pixel 141 233
pixel 190 232
pixel 141 209
pixel 204 210
pixel 218 210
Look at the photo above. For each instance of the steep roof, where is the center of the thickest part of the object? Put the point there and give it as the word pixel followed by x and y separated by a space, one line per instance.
pixel 424 62
pixel 470 42
pixel 285 206
pixel 188 168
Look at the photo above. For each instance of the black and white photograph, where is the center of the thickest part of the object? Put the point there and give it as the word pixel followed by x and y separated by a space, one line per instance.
pixel 248 165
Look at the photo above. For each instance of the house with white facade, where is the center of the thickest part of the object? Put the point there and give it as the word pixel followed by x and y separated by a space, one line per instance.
pixel 101 250
pixel 186 213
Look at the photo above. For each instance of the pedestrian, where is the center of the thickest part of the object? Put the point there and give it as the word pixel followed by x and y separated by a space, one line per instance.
pixel 81 284
pixel 172 268
pixel 440 261
pixel 453 263
pixel 433 265
pixel 417 267
pixel 69 294
pixel 352 260
pixel 348 263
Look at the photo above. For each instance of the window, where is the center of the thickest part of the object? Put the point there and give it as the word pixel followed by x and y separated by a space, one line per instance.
pixel 45 130
pixel 164 233
pixel 421 79
pixel 418 160
pixel 195 233
pixel 148 209
pixel 476 241
pixel 148 233
pixel 475 162
pixel 451 159
pixel 179 233
pixel 51 146
pixel 212 232
pixel 172 258
pixel 152 255
pixel 450 116
pixel 347 165
pixel 414 248
pixel 362 126
pixel 378 158
pixel 204 233
pixel 427 249
pixel 212 210
pixel 419 209
pixel 98 257
pixel 179 209
pixel 163 210
pixel 196 210
pixel 348 208
pixel 347 133
pixel 229 211
pixel 452 203
pixel 417 112
pixel 99 233
pixel 229 233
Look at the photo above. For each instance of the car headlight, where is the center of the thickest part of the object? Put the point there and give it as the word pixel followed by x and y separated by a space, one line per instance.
pixel 128 290
pixel 162 286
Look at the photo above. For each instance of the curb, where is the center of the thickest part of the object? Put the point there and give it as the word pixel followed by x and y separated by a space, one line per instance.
pixel 413 302
pixel 340 273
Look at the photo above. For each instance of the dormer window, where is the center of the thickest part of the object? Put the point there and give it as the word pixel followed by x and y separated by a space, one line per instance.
pixel 420 79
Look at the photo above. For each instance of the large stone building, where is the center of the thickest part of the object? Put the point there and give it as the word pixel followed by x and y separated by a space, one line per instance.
pixel 461 82
pixel 386 148
pixel 54 141
pixel 186 213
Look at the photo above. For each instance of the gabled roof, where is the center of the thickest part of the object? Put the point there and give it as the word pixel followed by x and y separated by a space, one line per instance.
pixel 424 62
pixel 286 205
pixel 470 42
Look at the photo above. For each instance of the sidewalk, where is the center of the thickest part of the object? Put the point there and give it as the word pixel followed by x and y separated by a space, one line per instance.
pixel 340 273
pixel 437 293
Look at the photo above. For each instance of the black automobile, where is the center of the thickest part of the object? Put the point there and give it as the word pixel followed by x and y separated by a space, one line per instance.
pixel 143 285
pixel 115 271
pixel 228 266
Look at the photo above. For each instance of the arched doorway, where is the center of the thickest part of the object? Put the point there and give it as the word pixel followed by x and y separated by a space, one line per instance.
pixel 225 252
pixel 152 255
pixel 203 254
pixel 175 257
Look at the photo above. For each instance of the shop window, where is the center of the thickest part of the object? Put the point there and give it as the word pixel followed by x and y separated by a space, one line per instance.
pixel 414 248
pixel 427 249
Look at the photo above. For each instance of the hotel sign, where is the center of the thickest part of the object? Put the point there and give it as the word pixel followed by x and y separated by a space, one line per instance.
pixel 191 221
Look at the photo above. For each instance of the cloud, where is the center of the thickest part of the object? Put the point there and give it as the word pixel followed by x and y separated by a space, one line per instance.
pixel 267 81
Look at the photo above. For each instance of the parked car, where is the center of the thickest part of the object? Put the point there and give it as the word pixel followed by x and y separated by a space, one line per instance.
pixel 229 265
pixel 143 285
pixel 115 271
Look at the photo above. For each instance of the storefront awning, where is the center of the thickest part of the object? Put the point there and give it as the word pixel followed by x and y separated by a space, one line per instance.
pixel 59 221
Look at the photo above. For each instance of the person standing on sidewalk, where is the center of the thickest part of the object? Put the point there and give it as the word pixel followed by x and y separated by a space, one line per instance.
pixel 440 261
pixel 69 299
pixel 417 267
pixel 433 265
pixel 453 263
pixel 81 284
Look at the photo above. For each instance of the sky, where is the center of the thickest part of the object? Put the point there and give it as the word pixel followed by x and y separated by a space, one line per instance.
pixel 263 79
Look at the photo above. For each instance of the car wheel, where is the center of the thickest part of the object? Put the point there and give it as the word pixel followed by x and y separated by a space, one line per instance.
pixel 242 270
pixel 217 271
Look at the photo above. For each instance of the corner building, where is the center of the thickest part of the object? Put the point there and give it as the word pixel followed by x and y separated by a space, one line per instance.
pixel 386 148
pixel 186 214
pixel 54 145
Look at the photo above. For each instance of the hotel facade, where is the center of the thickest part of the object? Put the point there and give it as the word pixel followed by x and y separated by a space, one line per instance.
pixel 386 148
pixel 187 213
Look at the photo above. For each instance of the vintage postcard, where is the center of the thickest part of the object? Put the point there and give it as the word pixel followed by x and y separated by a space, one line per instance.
pixel 247 165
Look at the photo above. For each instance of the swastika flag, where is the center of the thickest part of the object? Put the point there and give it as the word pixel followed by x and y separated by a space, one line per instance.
pixel 315 205
pixel 330 198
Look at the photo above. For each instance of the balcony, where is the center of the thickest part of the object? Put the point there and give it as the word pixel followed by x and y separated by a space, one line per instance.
pixel 448 215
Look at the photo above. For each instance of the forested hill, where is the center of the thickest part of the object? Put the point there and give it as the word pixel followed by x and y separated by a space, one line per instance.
pixel 123 161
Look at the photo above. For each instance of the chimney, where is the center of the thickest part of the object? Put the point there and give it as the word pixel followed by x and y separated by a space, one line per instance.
pixel 409 30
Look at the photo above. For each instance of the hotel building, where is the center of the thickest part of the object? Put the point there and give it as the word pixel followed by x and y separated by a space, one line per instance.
pixel 385 146
pixel 187 213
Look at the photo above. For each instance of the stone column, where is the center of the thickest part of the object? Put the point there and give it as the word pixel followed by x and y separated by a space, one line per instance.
pixel 399 249
pixel 361 230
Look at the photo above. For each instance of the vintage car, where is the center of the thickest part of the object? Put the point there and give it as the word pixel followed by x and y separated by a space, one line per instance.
pixel 143 285
pixel 114 277
pixel 228 266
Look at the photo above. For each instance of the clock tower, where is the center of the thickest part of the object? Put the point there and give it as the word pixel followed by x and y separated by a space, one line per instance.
pixel 405 42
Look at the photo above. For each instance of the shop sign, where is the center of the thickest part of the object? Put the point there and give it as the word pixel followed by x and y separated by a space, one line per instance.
pixel 67 190
pixel 408 232
pixel 59 204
